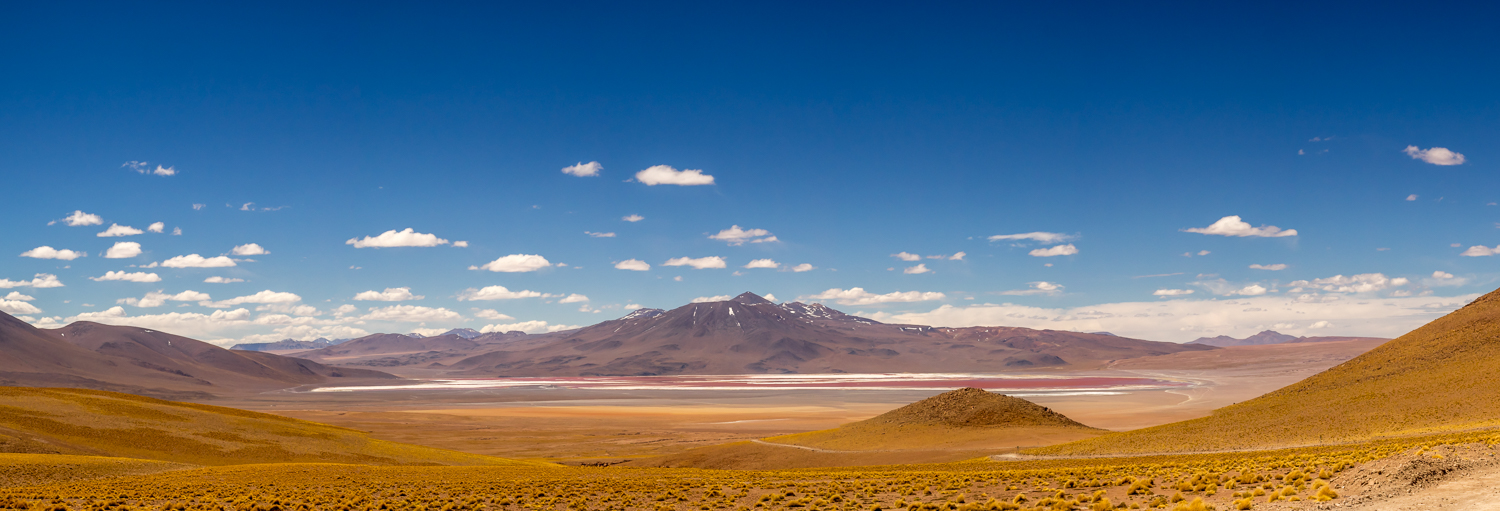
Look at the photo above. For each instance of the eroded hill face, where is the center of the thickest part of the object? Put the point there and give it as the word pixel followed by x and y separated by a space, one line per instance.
pixel 88 422
pixel 1443 376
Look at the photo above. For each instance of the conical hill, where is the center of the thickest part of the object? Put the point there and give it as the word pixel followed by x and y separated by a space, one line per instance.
pixel 967 418
pixel 971 407
pixel 1443 376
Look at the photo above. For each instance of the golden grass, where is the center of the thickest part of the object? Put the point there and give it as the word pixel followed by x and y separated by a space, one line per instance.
pixel 28 469
pixel 1442 377
pixel 873 437
pixel 78 421
pixel 1178 482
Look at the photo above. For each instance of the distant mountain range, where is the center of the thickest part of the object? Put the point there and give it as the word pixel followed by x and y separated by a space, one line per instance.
pixel 149 362
pixel 287 345
pixel 1268 337
pixel 747 334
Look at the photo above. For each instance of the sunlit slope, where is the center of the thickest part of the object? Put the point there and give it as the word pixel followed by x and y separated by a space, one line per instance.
pixel 99 423
pixel 27 469
pixel 1444 376
pixel 966 418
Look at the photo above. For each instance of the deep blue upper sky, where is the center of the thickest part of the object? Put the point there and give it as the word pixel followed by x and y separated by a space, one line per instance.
pixel 850 132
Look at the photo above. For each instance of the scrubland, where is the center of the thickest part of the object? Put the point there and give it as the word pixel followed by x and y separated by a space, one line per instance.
pixel 1247 480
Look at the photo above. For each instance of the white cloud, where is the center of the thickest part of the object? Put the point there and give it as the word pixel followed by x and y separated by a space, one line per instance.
pixel 1037 288
pixel 141 167
pixel 221 280
pixel 158 298
pixel 803 267
pixel 1411 197
pixel 633 265
pixel 495 293
pixel 1272 267
pixel 1060 250
pixel 858 296
pixel 198 207
pixel 177 231
pixel 1319 324
pixel 699 263
pixel 249 249
pixel 959 256
pixel 665 175
pixel 515 263
pixel 1251 290
pixel 1233 226
pixel 40 280
pixel 1441 275
pixel 734 235
pixel 1435 156
pixel 198 261
pixel 492 314
pixel 411 314
pixel 393 238
pixel 584 169
pixel 600 234
pixel 530 327
pixel 1172 292
pixel 633 218
pixel 1481 251
pixel 123 250
pixel 706 299
pixel 185 324
pixel 115 230
pixel 139 276
pixel 15 303
pixel 1039 237
pixel 46 252
pixel 461 244
pixel 79 218
pixel 763 263
pixel 1185 320
pixel 916 270
pixel 157 227
pixel 1362 283
pixel 267 296
pixel 391 294
pixel 906 256
pixel 574 298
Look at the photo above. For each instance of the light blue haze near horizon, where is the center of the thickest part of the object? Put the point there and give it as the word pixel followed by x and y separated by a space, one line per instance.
pixel 850 132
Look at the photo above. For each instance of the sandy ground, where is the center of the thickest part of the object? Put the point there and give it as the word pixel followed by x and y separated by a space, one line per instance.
pixel 572 424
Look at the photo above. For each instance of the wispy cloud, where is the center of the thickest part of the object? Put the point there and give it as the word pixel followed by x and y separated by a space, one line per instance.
pixel 700 263
pixel 583 169
pixel 404 238
pixel 858 296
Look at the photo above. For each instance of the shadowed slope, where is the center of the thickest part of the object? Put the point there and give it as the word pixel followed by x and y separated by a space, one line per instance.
pixel 1443 376
pixel 90 422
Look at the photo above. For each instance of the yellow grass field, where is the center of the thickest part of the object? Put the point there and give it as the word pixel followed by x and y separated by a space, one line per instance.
pixel 1256 480
pixel 90 422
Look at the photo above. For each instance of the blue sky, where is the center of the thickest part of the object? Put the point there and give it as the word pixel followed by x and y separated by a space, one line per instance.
pixel 849 132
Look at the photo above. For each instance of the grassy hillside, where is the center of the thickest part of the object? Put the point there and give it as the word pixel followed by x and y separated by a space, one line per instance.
pixel 99 423
pixel 28 469
pixel 1444 376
